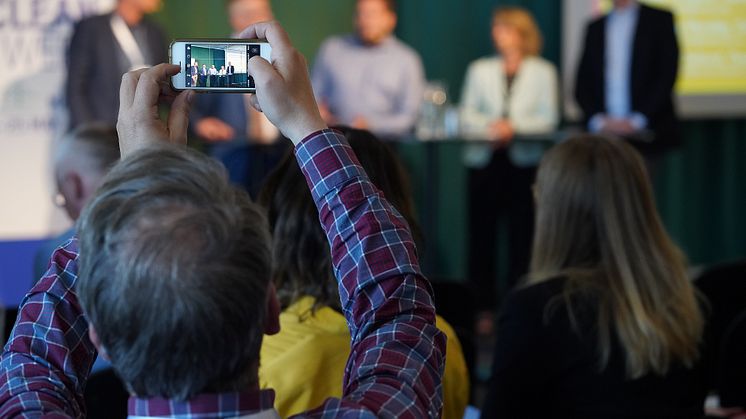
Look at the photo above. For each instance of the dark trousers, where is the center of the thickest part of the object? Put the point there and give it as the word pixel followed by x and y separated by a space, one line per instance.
pixel 500 188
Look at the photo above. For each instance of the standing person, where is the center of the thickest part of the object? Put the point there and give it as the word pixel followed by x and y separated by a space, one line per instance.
pixel 203 76
pixel 195 73
pixel 221 75
pixel 608 323
pixel 103 48
pixel 626 76
pixel 213 76
pixel 229 71
pixel 506 95
pixel 370 79
pixel 233 132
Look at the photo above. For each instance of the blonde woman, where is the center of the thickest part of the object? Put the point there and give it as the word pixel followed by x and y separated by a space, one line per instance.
pixel 607 323
pixel 509 94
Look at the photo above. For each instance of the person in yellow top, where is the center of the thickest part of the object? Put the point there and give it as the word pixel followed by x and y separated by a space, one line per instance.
pixel 313 334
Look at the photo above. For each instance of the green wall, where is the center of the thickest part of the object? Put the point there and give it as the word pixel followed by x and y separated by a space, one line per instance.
pixel 701 188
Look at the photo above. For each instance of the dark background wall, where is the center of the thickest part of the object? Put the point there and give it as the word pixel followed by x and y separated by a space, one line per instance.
pixel 701 187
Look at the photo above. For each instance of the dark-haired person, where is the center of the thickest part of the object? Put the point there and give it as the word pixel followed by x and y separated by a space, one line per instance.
pixel 608 324
pixel 305 360
pixel 370 79
pixel 626 76
pixel 175 269
pixel 104 47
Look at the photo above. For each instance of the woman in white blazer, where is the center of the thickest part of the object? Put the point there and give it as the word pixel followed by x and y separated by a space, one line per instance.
pixel 504 96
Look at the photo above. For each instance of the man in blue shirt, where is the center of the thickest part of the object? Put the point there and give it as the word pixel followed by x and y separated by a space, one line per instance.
pixel 370 79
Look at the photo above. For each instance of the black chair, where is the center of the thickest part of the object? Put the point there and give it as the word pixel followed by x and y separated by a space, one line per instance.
pixel 725 289
pixel 732 365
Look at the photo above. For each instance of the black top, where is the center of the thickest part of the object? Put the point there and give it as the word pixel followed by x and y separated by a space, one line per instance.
pixel 542 368
pixel 655 60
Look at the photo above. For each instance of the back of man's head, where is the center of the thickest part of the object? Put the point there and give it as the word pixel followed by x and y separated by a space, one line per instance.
pixel 174 275
pixel 81 160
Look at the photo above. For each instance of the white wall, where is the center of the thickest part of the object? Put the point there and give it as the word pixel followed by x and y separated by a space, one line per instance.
pixel 33 41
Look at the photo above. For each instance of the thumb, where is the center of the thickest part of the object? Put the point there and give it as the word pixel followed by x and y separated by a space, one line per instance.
pixel 262 71
pixel 178 118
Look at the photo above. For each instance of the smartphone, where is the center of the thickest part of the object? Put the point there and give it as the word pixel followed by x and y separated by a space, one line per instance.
pixel 216 65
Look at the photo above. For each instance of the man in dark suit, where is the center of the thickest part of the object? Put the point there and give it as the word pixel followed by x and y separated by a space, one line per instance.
pixel 101 50
pixel 229 72
pixel 627 73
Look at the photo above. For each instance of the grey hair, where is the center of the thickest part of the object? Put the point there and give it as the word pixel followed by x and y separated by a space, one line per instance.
pixel 175 266
pixel 97 143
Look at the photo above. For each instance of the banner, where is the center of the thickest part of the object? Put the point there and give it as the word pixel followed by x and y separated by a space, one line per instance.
pixel 34 35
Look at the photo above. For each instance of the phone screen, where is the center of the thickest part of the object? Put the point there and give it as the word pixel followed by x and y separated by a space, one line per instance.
pixel 219 66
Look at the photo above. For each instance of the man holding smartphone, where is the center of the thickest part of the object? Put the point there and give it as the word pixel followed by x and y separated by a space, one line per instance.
pixel 397 353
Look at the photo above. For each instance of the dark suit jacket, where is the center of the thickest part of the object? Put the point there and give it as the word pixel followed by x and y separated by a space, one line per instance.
pixel 95 68
pixel 654 66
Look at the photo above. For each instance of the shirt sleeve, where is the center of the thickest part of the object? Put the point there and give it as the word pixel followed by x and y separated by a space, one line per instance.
pixel 49 355
pixel 397 353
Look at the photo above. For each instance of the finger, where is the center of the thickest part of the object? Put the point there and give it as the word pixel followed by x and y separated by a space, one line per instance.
pixel 127 88
pixel 255 102
pixel 178 118
pixel 150 82
pixel 261 70
pixel 273 32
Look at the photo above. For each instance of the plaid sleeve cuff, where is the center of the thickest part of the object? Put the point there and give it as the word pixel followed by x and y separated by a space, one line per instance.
pixel 328 162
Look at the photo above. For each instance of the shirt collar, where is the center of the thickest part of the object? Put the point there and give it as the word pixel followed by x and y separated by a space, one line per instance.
pixel 629 11
pixel 217 405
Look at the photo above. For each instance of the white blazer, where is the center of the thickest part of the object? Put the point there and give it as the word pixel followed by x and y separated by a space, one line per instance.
pixel 532 106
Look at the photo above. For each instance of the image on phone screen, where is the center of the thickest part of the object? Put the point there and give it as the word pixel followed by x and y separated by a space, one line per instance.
pixel 219 66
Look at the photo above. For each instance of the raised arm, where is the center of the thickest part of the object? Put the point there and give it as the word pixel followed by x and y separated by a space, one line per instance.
pixel 397 355
pixel 49 355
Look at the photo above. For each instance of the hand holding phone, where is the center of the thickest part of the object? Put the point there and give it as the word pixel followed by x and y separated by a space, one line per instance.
pixel 283 87
pixel 217 65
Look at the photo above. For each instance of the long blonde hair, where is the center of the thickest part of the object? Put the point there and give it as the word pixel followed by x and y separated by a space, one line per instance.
pixel 597 225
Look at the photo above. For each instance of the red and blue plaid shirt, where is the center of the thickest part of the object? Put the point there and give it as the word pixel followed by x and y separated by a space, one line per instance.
pixel 397 353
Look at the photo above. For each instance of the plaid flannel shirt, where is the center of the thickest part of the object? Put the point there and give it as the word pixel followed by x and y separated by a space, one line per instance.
pixel 397 353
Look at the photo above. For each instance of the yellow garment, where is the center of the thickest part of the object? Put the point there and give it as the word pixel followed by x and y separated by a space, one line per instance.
pixel 305 362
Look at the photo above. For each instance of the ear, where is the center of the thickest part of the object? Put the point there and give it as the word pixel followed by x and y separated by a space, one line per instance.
pixel 97 342
pixel 73 188
pixel 272 317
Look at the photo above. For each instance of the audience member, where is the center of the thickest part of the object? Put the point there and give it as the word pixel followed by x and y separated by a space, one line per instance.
pixel 510 94
pixel 166 230
pixel 626 76
pixel 370 80
pixel 607 324
pixel 304 362
pixel 81 159
pixel 234 132
pixel 103 48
